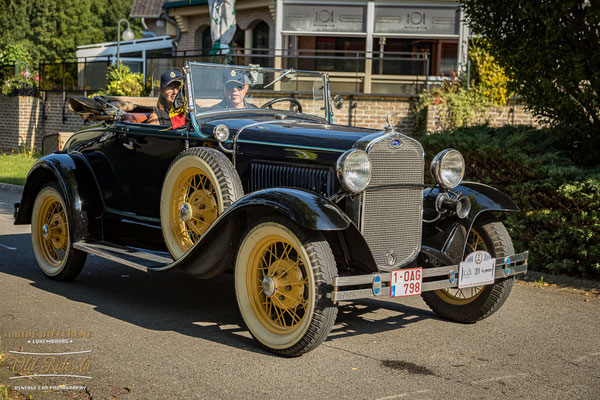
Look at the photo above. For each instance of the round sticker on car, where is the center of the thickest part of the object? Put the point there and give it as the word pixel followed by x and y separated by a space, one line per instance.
pixel 478 269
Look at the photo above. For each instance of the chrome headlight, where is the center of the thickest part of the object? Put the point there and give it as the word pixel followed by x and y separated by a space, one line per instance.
pixel 448 168
pixel 354 170
pixel 221 132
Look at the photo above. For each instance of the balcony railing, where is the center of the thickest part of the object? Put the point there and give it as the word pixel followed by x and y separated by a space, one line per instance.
pixel 351 72
pixel 398 74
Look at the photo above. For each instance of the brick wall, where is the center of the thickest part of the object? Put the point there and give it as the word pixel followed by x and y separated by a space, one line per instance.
pixel 191 40
pixel 367 112
pixel 512 114
pixel 24 121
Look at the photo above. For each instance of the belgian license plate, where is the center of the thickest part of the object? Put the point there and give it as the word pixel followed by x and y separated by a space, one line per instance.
pixel 478 269
pixel 406 282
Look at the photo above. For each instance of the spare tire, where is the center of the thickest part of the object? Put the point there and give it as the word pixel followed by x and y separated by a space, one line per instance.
pixel 200 185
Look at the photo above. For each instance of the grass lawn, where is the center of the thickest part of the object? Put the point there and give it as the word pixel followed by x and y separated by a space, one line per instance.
pixel 14 167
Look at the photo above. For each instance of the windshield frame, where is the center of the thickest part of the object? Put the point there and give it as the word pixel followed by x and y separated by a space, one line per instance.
pixel 327 111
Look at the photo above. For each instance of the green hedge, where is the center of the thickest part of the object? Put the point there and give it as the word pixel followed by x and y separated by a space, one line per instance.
pixel 560 201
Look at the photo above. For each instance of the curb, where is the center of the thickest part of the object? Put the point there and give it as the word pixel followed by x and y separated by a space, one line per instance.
pixel 560 281
pixel 7 187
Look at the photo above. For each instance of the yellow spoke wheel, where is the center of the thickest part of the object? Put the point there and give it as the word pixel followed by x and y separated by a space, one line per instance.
pixel 469 305
pixel 50 236
pixel 278 284
pixel 466 295
pixel 200 185
pixel 53 232
pixel 283 276
pixel 194 206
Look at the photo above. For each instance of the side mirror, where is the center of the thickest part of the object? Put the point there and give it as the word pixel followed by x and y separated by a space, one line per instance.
pixel 338 102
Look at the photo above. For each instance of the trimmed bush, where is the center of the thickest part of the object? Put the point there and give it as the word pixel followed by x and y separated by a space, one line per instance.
pixel 560 219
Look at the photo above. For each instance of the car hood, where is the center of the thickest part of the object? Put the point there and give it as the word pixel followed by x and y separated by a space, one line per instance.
pixel 295 133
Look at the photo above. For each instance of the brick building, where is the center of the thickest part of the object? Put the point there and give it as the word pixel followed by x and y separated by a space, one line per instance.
pixel 368 46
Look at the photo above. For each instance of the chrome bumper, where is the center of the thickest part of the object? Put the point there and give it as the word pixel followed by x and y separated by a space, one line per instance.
pixel 380 282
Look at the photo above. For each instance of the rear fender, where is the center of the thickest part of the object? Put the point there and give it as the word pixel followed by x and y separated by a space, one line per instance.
pixel 216 250
pixel 73 176
pixel 449 235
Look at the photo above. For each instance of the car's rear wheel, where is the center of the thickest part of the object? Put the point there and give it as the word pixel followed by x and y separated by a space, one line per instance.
pixel 51 236
pixel 200 184
pixel 283 277
pixel 472 304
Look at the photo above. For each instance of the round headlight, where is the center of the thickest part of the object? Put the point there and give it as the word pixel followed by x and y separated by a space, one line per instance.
pixel 221 132
pixel 448 168
pixel 354 170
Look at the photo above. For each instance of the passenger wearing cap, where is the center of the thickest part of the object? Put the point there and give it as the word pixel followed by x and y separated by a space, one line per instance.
pixel 170 82
pixel 235 87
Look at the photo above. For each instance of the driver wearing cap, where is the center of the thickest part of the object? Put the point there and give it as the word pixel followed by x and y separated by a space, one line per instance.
pixel 170 82
pixel 235 87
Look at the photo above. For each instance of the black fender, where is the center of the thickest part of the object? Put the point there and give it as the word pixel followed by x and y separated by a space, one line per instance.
pixel 74 177
pixel 217 248
pixel 446 238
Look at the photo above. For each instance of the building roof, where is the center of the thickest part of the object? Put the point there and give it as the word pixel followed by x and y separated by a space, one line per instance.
pixel 146 8
pixel 184 3
pixel 131 46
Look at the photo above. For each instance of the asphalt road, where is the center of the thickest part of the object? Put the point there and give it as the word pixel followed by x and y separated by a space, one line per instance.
pixel 167 336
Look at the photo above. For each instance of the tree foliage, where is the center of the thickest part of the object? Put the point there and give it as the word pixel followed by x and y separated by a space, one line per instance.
pixel 559 221
pixel 550 51
pixel 51 29
pixel 487 77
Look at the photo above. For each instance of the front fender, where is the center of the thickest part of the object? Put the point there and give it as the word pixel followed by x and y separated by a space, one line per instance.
pixel 306 208
pixel 76 182
pixel 448 236
pixel 216 250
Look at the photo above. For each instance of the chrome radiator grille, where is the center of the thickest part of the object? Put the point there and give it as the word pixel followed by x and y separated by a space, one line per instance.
pixel 391 217
pixel 264 175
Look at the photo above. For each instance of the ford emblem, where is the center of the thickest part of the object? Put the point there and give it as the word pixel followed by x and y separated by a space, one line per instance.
pixel 397 143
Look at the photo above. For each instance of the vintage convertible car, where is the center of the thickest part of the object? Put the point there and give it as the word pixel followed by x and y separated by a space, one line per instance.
pixel 304 212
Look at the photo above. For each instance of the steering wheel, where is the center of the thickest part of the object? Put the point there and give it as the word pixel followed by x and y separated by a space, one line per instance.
pixel 270 103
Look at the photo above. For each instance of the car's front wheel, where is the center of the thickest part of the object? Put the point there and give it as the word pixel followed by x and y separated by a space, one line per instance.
pixel 283 277
pixel 472 304
pixel 200 184
pixel 51 236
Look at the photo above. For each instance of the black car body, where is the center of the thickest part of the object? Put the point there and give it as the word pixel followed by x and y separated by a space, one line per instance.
pixel 276 195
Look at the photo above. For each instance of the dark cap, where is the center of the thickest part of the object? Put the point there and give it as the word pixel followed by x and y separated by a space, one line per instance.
pixel 234 75
pixel 170 76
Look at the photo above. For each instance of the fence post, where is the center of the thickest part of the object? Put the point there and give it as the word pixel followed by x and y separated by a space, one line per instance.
pixel 369 46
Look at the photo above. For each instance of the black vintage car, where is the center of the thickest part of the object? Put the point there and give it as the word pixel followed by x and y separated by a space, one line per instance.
pixel 306 213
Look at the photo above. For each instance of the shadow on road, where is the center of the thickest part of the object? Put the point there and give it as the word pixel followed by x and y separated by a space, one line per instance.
pixel 174 301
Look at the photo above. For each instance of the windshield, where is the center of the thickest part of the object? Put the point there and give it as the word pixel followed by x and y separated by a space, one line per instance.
pixel 217 87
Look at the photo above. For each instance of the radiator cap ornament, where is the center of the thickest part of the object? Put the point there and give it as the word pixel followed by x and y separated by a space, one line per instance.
pixel 391 122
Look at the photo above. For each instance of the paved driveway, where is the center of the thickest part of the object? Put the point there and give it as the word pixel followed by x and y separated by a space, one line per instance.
pixel 163 336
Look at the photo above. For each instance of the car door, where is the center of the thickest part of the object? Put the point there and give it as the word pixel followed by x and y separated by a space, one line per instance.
pixel 146 152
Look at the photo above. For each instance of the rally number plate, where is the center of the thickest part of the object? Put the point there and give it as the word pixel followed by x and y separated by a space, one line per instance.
pixel 478 269
pixel 406 282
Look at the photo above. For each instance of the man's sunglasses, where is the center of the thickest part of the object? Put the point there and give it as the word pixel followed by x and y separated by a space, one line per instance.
pixel 234 85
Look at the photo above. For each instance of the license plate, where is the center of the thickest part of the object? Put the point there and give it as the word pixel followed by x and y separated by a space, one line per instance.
pixel 406 282
pixel 478 269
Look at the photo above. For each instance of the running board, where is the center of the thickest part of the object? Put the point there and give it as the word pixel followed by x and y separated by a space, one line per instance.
pixel 133 258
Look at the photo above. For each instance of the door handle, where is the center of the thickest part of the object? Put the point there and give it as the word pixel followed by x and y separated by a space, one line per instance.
pixel 128 146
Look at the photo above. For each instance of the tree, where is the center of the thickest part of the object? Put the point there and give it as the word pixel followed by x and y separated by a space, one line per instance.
pixel 51 29
pixel 551 53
